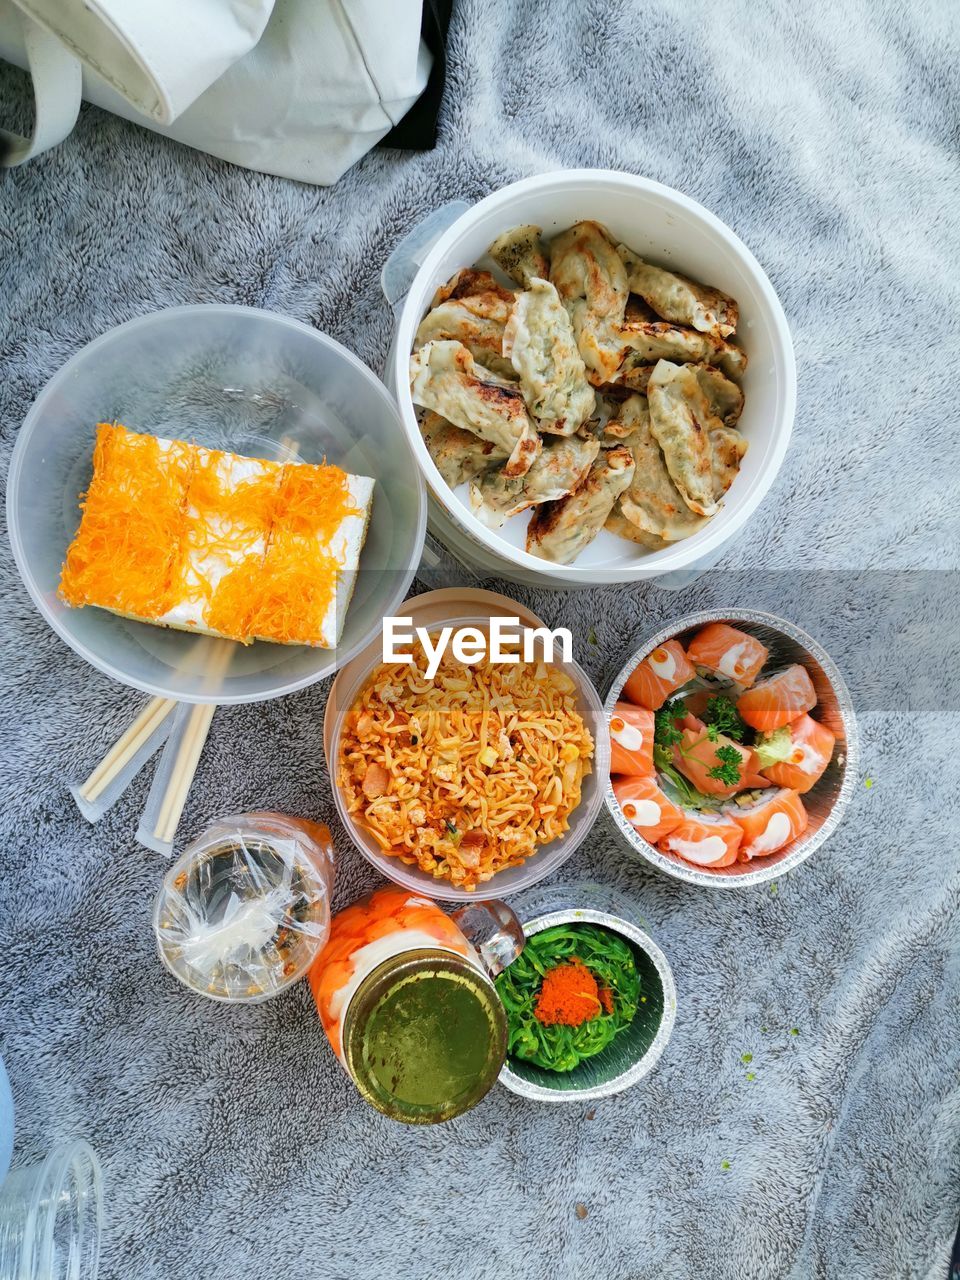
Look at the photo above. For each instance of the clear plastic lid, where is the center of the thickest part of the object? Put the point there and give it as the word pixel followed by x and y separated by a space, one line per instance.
pixel 245 910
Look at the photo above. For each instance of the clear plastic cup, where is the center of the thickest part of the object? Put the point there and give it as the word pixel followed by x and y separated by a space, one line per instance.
pixel 252 382
pixel 245 910
pixel 549 857
pixel 51 1217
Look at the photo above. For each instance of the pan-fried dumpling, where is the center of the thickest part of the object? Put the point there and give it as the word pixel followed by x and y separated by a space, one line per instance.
pixel 459 455
pixel 560 468
pixel 701 454
pixel 647 341
pixel 457 321
pixel 636 377
pixel 444 377
pixel 539 341
pixel 521 254
pixel 559 531
pixel 468 282
pixel 616 522
pixel 724 397
pixel 652 503
pixel 679 299
pixel 728 446
pixel 592 283
pixel 614 431
pixel 471 308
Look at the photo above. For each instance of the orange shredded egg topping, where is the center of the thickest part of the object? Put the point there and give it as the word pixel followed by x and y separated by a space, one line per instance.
pixel 148 507
pixel 133 515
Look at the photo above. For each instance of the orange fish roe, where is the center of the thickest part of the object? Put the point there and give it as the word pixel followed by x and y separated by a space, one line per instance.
pixel 570 995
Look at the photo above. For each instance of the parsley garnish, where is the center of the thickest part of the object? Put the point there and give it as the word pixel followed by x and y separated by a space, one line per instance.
pixel 666 735
pixel 665 731
pixel 727 770
pixel 722 716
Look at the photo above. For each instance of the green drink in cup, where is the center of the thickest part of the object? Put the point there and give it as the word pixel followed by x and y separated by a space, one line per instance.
pixel 406 997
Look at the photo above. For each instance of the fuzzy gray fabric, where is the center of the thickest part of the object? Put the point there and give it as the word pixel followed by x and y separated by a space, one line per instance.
pixel 234 1148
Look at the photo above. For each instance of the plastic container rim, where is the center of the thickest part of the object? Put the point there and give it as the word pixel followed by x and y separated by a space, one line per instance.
pixel 404 576
pixel 760 873
pixel 689 550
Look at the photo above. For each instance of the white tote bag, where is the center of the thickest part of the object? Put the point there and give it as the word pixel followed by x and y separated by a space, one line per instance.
pixel 298 88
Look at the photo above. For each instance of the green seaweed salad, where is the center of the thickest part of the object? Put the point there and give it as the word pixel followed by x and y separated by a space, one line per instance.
pixel 557 1047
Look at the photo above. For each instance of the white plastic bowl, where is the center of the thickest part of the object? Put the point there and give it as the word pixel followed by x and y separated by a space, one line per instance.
pixel 669 228
pixel 233 378
pixel 465 607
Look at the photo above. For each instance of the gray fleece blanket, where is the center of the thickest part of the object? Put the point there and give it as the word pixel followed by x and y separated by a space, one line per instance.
pixel 233 1147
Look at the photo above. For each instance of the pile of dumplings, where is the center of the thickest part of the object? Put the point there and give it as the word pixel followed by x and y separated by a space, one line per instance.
pixel 602 392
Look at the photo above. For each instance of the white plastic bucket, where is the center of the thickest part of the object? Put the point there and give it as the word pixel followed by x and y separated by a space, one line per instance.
pixel 658 223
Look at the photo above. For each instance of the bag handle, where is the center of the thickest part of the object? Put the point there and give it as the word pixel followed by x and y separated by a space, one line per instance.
pixel 57 89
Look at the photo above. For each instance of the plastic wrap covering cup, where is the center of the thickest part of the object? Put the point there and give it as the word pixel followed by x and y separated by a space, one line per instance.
pixel 244 911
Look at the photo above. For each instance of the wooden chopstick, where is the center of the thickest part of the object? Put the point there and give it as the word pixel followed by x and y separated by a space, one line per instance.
pixel 185 766
pixel 126 747
pixel 191 747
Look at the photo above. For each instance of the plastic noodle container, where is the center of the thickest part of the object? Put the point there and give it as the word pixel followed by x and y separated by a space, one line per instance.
pixel 449 608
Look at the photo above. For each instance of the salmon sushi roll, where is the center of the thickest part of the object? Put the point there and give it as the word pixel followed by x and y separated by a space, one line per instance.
pixel 804 749
pixel 631 741
pixel 777 700
pixel 769 823
pixel 725 651
pixel 705 839
pixel 696 755
pixel 658 675
pixel 646 808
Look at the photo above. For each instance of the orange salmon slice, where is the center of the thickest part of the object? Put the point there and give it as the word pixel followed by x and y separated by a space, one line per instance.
pixel 813 745
pixel 769 824
pixel 658 675
pixel 776 701
pixel 646 808
pixel 695 755
pixel 631 740
pixel 705 839
pixel 728 652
